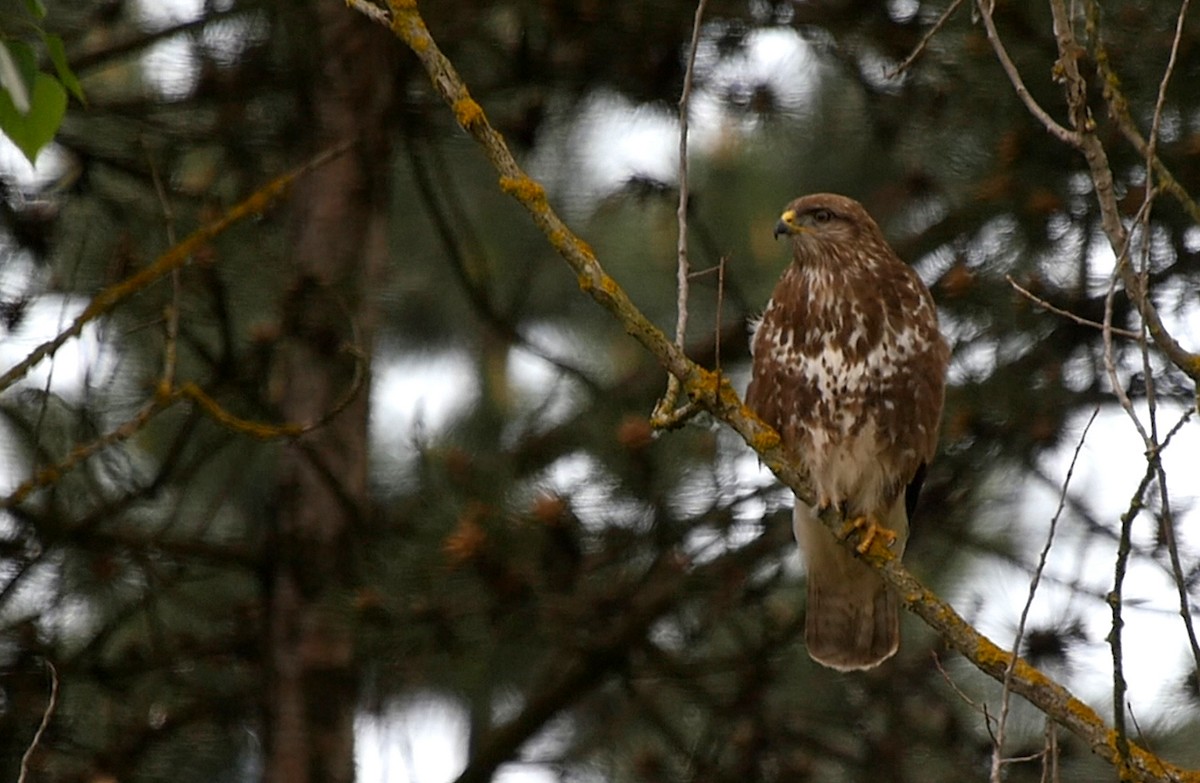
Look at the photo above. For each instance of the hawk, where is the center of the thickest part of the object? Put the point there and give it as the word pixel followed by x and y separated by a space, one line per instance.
pixel 849 367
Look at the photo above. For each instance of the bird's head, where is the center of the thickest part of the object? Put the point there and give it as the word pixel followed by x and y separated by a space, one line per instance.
pixel 823 220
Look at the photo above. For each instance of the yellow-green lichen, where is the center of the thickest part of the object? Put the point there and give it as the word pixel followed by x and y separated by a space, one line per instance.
pixel 585 250
pixel 989 656
pixel 467 112
pixel 523 189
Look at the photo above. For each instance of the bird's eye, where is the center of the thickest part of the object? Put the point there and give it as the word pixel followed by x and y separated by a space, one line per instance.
pixel 822 216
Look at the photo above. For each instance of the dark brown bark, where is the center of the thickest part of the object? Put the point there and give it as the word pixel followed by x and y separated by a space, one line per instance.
pixel 337 251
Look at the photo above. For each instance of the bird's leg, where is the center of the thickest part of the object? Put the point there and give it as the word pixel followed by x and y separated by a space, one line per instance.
pixel 868 529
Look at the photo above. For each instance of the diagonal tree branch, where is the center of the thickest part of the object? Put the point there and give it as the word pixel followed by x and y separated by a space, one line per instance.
pixel 174 258
pixel 717 396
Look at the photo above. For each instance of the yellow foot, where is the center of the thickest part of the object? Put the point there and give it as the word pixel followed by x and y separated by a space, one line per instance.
pixel 868 529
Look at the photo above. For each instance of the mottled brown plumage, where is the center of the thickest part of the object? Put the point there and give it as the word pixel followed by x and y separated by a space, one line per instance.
pixel 850 368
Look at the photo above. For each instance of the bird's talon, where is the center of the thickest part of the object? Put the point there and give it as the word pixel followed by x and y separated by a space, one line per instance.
pixel 868 530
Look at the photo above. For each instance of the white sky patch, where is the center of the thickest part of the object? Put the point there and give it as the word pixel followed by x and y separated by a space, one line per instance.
pixel 619 141
pixel 424 741
pixel 544 388
pixel 609 140
pixel 50 166
pixel 73 366
pixel 170 66
pixel 418 395
pixel 592 490
pixel 776 60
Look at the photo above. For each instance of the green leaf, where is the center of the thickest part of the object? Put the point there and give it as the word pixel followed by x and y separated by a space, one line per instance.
pixel 34 130
pixel 37 8
pixel 58 56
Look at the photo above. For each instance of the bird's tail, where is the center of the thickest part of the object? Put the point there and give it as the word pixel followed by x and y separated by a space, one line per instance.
pixel 853 619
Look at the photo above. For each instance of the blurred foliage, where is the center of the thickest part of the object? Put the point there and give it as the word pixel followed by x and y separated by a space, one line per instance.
pixel 533 551
pixel 33 100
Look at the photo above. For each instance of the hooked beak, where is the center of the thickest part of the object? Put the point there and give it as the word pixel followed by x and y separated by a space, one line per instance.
pixel 787 224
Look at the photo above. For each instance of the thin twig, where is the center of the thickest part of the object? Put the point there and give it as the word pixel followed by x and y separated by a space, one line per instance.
pixel 924 42
pixel 1050 753
pixel 170 347
pixel 1156 123
pixel 980 708
pixel 466 253
pixel 1153 450
pixel 1006 692
pixel 51 474
pixel 665 412
pixel 47 714
pixel 1118 109
pixel 1110 363
pixel 1014 77
pixel 720 304
pixel 1115 600
pixel 1042 303
pixel 1168 525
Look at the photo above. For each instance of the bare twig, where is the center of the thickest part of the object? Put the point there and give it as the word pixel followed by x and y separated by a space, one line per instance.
pixel 1156 123
pixel 1110 363
pixel 980 708
pixel 1006 692
pixel 1153 448
pixel 1115 640
pixel 717 317
pixel 171 341
pixel 1014 77
pixel 919 49
pixel 1118 109
pixel 666 413
pixel 1050 754
pixel 47 715
pixel 1042 303
pixel 1168 526
pixel 453 229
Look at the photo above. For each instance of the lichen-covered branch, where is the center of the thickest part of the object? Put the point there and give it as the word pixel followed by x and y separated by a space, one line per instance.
pixel 714 393
pixel 168 391
pixel 176 257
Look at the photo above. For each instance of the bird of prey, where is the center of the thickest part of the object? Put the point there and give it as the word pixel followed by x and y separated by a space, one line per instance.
pixel 849 367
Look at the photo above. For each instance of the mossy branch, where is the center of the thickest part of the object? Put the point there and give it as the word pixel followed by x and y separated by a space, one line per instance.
pixel 713 393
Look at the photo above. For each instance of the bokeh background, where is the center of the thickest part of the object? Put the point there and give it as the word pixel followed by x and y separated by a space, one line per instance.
pixel 489 564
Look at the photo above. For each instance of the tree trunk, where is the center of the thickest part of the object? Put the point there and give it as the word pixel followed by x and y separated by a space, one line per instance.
pixel 338 249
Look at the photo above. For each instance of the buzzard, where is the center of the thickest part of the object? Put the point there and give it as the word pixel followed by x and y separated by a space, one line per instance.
pixel 850 368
